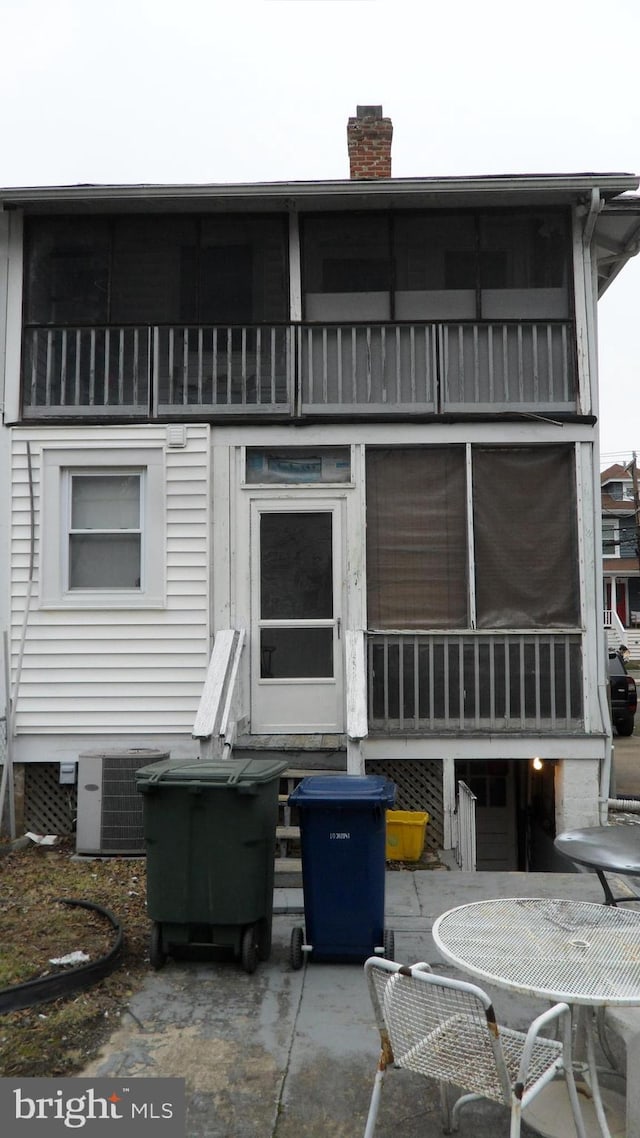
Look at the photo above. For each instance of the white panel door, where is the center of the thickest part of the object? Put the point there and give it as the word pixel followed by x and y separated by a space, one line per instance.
pixel 296 636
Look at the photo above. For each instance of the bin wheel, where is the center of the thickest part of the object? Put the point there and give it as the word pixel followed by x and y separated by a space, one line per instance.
pixel 157 955
pixel 389 943
pixel 264 940
pixel 249 949
pixel 295 948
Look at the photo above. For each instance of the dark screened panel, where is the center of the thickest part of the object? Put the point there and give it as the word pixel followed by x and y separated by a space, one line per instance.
pixel 416 538
pixel 525 533
pixel 67 270
pixel 163 269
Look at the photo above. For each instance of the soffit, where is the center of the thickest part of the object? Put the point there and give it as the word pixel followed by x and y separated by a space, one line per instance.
pixel 616 238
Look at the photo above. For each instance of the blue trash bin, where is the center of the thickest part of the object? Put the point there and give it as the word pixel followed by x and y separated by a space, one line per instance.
pixel 343 838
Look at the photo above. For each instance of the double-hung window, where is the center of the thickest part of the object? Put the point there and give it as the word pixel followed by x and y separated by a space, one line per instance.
pixel 103 528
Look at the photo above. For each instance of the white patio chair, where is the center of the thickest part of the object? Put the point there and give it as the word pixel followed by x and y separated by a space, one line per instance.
pixel 446 1029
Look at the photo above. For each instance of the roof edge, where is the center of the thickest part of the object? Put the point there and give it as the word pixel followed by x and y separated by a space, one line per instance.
pixel 610 185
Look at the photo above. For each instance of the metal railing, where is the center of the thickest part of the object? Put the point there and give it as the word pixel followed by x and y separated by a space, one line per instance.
pixel 474 681
pixel 297 369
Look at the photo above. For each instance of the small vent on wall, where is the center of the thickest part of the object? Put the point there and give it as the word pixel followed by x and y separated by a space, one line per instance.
pixel 177 435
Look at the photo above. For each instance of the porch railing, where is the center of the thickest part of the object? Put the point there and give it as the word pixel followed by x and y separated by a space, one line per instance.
pixel 474 681
pixel 502 365
pixel 86 371
pixel 298 369
pixel 372 367
pixel 222 369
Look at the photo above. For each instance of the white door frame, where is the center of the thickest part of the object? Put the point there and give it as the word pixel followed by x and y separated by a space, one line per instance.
pixel 305 705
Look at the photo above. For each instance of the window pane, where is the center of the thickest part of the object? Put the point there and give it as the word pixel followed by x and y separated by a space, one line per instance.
pixel 628 540
pixel 525 532
pixel 296 653
pixel 416 538
pixel 609 538
pixel 298 465
pixel 296 566
pixel 99 561
pixel 105 502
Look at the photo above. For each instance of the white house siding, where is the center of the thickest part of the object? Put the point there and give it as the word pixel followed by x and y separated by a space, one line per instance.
pixel 127 671
pixel 577 788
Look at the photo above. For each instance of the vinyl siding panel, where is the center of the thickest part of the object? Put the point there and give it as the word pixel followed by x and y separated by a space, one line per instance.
pixel 122 669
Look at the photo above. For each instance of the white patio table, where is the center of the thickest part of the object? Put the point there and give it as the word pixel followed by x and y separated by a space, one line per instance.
pixel 585 954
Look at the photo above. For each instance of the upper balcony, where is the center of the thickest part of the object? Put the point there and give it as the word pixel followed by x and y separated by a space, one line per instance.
pixel 298 370
pixel 362 314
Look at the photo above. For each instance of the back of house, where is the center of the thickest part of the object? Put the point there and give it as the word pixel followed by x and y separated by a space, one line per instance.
pixel 310 469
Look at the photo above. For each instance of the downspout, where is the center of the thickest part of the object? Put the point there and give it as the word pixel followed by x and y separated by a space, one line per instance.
pixel 27 602
pixel 12 696
pixel 591 284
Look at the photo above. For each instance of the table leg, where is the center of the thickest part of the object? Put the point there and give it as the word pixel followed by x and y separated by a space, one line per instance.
pixel 584 1039
pixel 608 895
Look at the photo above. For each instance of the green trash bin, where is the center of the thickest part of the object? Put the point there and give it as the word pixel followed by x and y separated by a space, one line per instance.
pixel 210 836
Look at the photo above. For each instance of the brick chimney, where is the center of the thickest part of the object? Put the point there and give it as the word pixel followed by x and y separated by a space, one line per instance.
pixel 369 144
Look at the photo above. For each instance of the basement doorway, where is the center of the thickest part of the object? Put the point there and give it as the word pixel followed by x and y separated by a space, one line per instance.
pixel 496 785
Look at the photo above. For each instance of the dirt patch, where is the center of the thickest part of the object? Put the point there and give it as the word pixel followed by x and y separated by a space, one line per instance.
pixel 58 1038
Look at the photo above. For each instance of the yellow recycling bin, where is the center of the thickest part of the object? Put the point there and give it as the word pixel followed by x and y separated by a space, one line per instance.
pixel 405 834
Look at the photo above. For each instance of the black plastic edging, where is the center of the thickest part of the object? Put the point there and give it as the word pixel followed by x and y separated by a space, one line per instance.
pixel 47 988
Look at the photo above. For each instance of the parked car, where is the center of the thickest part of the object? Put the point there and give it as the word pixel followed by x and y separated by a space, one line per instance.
pixel 624 695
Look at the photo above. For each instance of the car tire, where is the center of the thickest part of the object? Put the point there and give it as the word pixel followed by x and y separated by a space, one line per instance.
pixel 625 726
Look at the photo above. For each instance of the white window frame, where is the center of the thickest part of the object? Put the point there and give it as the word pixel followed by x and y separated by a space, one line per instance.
pixel 611 545
pixel 68 476
pixel 58 464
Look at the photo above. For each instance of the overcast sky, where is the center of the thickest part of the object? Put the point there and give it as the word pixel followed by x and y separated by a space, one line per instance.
pixel 260 90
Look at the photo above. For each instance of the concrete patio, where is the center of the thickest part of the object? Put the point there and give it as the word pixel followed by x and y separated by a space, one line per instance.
pixel 292 1054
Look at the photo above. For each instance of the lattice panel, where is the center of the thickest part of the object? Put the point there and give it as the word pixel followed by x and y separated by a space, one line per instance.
pixel 49 807
pixel 419 783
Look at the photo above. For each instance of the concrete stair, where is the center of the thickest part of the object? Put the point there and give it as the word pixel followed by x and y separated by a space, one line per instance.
pixel 306 755
pixel 288 868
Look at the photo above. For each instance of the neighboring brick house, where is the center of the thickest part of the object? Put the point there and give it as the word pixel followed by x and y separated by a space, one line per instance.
pixel 621 544
pixel 346 433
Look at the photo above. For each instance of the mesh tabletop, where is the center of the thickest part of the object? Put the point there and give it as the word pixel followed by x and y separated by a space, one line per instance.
pixel 576 951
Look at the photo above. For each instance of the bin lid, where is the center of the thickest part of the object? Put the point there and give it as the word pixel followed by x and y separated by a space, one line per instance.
pixel 344 790
pixel 213 772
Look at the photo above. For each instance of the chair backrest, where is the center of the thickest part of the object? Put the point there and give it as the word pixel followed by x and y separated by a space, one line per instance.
pixel 440 1027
